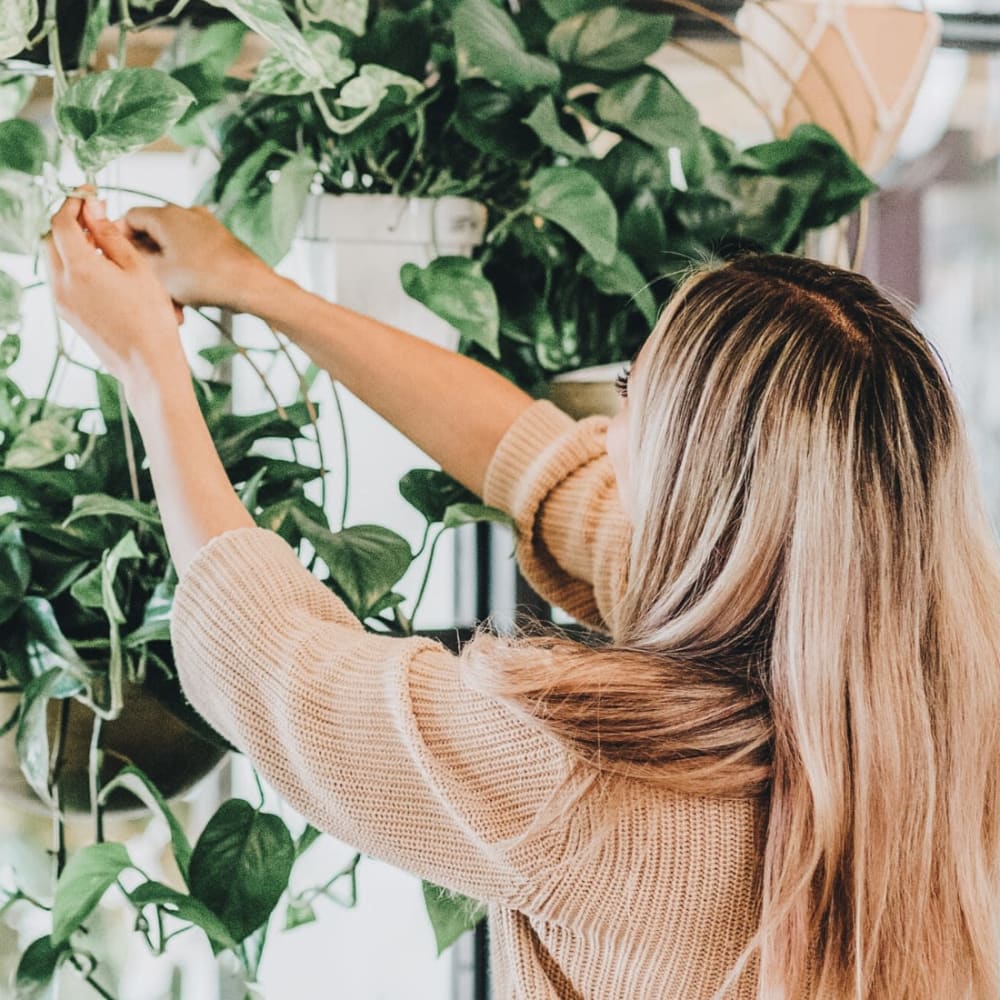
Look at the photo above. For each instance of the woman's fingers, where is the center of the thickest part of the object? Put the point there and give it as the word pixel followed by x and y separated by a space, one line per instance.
pixel 145 224
pixel 68 236
pixel 107 236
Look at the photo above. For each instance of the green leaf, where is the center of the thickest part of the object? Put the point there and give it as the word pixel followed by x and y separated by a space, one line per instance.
pixel 558 9
pixel 10 317
pixel 18 19
pixel 102 505
pixel 451 914
pixel 544 122
pixel 611 38
pixel 241 865
pixel 268 19
pixel 24 214
pixel 98 19
pixel 268 223
pixel 643 230
pixel 651 108
pixel 133 780
pixel 474 513
pixel 183 907
pixel 37 968
pixel 88 874
pixel 15 572
pixel 32 738
pixel 276 75
pixel 105 115
pixel 219 353
pixel 365 561
pixel 306 839
pixel 372 84
pixel 298 913
pixel 43 628
pixel 15 91
pixel 432 492
pixel 572 199
pixel 42 443
pixel 455 289
pixel 489 45
pixel 213 48
pixel 22 146
pixel 621 277
pixel 350 14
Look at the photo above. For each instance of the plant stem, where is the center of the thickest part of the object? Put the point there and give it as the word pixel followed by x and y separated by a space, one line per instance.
pixel 427 575
pixel 51 31
pixel 347 453
pixel 133 471
pixel 94 774
pixel 88 978
pixel 418 146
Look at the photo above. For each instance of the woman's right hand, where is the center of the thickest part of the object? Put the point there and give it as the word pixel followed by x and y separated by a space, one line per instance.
pixel 199 261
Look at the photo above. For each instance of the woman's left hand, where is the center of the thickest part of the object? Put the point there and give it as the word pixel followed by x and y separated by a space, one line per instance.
pixel 110 294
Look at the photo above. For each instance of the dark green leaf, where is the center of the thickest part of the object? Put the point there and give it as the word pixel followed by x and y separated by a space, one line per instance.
pixel 643 231
pixel 573 200
pixel 651 108
pixel 306 839
pixel 32 731
pixel 43 628
pixel 432 492
pixel 612 38
pixel 365 561
pixel 36 969
pixel 10 345
pixel 241 865
pixel 105 115
pixel 474 513
pixel 90 872
pixel 22 146
pixel 488 45
pixel 183 907
pixel 558 9
pixel 451 914
pixel 219 353
pixel 621 277
pixel 15 572
pixel 544 122
pixel 455 289
pixel 133 780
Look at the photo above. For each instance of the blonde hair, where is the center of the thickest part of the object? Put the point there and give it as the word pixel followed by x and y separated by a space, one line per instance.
pixel 810 619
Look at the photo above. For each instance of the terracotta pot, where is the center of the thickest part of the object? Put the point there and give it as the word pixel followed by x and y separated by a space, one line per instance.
pixel 146 734
pixel 587 392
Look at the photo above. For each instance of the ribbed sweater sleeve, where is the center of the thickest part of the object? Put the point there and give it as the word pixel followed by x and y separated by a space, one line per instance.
pixel 376 740
pixel 553 476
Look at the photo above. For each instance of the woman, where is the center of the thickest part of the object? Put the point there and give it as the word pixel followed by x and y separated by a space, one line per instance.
pixel 779 780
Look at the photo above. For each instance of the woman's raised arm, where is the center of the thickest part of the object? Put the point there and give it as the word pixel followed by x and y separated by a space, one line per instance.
pixel 453 408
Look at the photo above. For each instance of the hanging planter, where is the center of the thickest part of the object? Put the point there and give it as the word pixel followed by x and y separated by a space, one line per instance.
pixel 854 68
pixel 587 392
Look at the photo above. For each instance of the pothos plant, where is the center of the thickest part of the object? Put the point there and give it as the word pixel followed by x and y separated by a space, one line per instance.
pixel 603 187
pixel 86 583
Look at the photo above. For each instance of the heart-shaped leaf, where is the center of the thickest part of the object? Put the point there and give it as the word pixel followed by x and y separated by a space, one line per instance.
pixel 105 115
pixel 489 45
pixel 455 289
pixel 350 14
pixel 432 492
pixel 37 968
pixel 184 907
pixel 451 914
pixel 544 122
pixel 651 108
pixel 240 866
pixel 612 38
pixel 88 874
pixel 19 17
pixel 22 146
pixel 276 75
pixel 572 199
pixel 42 443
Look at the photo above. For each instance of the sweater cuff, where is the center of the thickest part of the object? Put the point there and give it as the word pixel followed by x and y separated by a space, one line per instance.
pixel 528 437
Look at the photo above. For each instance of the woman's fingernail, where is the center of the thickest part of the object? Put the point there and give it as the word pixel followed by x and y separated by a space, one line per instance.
pixel 96 208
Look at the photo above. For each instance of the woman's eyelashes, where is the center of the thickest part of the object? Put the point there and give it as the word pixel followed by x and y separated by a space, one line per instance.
pixel 621 383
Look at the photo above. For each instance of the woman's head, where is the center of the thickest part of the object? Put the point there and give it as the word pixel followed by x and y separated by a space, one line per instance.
pixel 811 616
pixel 805 516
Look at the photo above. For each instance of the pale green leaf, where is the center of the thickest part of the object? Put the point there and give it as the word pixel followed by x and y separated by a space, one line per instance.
pixel 10 315
pixel 24 214
pixel 350 14
pixel 544 122
pixel 269 19
pixel 106 115
pixel 612 38
pixel 88 874
pixel 41 443
pixel 15 91
pixel 276 75
pixel 459 514
pixel 19 17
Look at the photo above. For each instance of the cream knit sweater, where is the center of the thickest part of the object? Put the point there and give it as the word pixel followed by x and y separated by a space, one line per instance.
pixel 380 743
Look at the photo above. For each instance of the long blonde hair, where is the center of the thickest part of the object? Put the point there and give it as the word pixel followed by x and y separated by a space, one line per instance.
pixel 812 619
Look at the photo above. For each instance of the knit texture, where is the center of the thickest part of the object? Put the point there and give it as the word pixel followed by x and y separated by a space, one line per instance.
pixel 379 742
